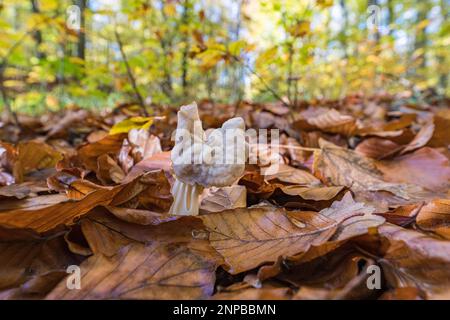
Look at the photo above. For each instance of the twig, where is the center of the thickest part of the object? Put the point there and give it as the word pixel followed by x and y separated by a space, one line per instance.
pixel 260 78
pixel 130 74
pixel 286 146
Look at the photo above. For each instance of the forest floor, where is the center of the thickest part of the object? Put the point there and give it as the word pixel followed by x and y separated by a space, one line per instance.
pixel 359 209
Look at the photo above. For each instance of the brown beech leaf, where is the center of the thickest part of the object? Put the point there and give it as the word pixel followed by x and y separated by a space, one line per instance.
pixel 33 155
pixel 108 171
pixel 416 260
pixel 101 239
pixel 356 225
pixel 89 153
pixel 225 198
pixel 24 189
pixel 421 139
pixel 435 216
pixel 341 274
pixel 46 218
pixel 247 238
pixel 286 173
pixel 377 148
pixel 150 191
pixel 327 120
pixel 139 216
pixel 426 167
pixel 51 213
pixel 137 271
pixel 441 134
pixel 185 230
pixel 24 264
pixel 403 215
pixel 157 161
pixel 312 193
pixel 343 167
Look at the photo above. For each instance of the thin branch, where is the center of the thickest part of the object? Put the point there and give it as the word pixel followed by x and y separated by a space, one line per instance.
pixel 261 79
pixel 130 74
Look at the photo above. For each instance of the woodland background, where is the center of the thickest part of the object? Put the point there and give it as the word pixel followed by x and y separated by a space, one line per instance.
pixel 357 89
pixel 175 51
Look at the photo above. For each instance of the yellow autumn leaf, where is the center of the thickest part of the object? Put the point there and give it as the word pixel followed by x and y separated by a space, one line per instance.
pixel 423 24
pixel 52 102
pixel 236 47
pixel 131 123
pixel 300 29
pixel 48 5
pixel 266 57
pixel 170 9
pixel 209 58
pixel 12 83
pixel 324 3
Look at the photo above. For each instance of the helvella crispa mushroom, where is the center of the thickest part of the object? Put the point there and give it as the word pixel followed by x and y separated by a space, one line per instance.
pixel 203 160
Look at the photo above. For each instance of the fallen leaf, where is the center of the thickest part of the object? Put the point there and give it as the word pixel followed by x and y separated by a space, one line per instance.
pixel 33 155
pixel 377 148
pixel 416 260
pixel 247 238
pixel 89 153
pixel 426 167
pixel 288 174
pixel 138 271
pixel 421 139
pixel 435 217
pixel 224 198
pixel 139 216
pixel 312 193
pixel 108 171
pixel 343 167
pixel 328 120
pixel 23 264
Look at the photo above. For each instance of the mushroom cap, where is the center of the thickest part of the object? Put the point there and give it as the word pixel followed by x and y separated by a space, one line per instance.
pixel 216 160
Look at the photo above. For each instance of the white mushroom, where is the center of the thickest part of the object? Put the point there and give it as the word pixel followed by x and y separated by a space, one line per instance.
pixel 200 160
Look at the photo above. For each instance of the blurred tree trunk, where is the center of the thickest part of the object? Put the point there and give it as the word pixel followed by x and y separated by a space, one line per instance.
pixel 391 17
pixel 185 55
pixel 376 31
pixel 420 39
pixel 81 47
pixel 37 35
pixel 443 77
pixel 239 72
pixel 343 36
pixel 166 44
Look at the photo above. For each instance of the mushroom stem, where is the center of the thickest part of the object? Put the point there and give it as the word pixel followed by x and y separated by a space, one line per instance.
pixel 185 198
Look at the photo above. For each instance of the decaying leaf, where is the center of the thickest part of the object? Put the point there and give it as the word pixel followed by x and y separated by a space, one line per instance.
pixel 435 216
pixel 328 120
pixel 33 155
pixel 247 238
pixel 343 167
pixel 416 260
pixel 30 269
pixel 137 271
pixel 225 198
pixel 426 167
